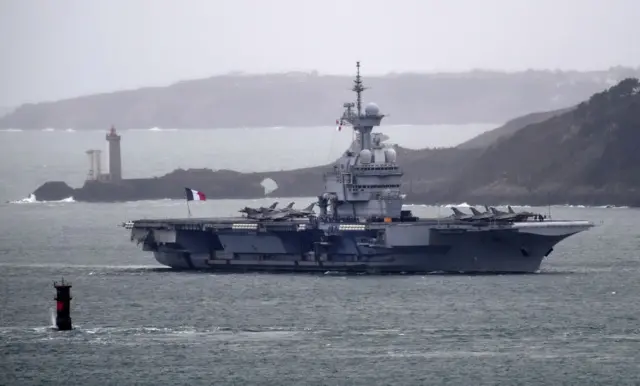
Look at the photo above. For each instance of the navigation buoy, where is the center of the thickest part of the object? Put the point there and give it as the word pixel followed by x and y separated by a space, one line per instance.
pixel 63 305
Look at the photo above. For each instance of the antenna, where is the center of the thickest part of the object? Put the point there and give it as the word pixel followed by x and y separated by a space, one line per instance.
pixel 362 123
pixel 358 88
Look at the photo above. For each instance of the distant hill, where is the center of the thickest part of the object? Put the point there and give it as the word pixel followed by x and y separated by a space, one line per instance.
pixel 4 111
pixel 301 99
pixel 490 137
pixel 587 155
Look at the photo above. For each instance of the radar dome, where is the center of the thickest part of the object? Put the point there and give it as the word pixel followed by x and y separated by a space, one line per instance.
pixel 365 156
pixel 390 155
pixel 372 109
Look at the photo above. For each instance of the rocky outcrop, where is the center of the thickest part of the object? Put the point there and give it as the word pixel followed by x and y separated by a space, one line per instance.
pixel 54 191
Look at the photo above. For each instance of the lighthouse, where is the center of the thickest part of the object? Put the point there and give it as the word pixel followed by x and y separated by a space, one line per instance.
pixel 115 163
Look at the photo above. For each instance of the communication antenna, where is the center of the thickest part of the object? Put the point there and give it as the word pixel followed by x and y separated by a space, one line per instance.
pixel 358 88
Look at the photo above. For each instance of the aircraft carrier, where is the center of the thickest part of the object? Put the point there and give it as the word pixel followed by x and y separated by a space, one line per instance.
pixel 361 226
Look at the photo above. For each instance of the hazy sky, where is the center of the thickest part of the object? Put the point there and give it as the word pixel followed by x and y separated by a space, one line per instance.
pixel 54 49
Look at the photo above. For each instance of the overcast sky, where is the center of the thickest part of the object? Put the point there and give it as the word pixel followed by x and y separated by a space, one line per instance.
pixel 53 49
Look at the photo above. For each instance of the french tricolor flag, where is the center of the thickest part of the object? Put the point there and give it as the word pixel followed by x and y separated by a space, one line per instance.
pixel 194 195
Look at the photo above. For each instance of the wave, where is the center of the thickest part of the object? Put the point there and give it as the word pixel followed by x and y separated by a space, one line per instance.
pixel 32 200
pixel 159 129
pixel 132 335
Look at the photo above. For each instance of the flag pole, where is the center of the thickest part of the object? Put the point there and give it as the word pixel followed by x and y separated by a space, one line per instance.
pixel 186 196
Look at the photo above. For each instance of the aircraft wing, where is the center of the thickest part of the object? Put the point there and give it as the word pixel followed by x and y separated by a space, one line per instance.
pixel 276 216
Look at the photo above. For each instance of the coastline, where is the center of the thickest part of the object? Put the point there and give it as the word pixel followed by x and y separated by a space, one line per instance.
pixel 302 183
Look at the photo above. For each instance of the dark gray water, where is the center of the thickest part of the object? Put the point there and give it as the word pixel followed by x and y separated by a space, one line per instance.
pixel 575 323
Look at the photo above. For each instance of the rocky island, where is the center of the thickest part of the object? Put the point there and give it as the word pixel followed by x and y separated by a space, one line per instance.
pixel 580 155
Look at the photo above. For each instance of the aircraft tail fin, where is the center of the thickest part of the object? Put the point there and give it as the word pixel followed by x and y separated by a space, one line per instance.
pixel 474 211
pixel 510 209
pixel 290 205
pixel 457 211
pixel 273 206
pixel 310 207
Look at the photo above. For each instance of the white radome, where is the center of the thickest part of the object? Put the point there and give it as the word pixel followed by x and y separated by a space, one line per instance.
pixel 372 109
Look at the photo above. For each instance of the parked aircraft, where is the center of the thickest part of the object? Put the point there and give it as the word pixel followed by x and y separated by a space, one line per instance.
pixel 261 210
pixel 277 214
pixel 477 215
pixel 300 212
pixel 510 215
pixel 460 215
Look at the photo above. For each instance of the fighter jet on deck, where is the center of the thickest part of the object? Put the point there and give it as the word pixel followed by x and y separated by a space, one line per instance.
pixel 460 215
pixel 300 212
pixel 270 208
pixel 261 210
pixel 477 215
pixel 273 214
pixel 510 215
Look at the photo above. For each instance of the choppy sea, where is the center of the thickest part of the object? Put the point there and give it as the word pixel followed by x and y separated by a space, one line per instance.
pixel 577 322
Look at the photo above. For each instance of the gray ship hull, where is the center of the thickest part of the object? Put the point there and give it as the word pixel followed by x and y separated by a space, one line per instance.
pixel 236 245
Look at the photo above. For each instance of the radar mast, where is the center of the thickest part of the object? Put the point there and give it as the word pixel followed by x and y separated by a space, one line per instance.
pixel 358 87
pixel 362 123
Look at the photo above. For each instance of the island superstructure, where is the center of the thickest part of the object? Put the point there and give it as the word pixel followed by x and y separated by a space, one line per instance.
pixel 361 225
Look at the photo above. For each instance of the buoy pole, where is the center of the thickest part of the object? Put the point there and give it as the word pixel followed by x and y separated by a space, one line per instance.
pixel 63 305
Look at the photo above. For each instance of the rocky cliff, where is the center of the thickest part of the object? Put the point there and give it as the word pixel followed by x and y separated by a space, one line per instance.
pixel 488 138
pixel 300 99
pixel 587 155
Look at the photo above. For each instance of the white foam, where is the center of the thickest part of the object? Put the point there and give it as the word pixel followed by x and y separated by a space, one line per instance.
pixel 32 200
pixel 159 129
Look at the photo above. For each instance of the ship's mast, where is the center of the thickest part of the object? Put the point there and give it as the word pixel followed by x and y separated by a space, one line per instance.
pixel 362 123
pixel 358 88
